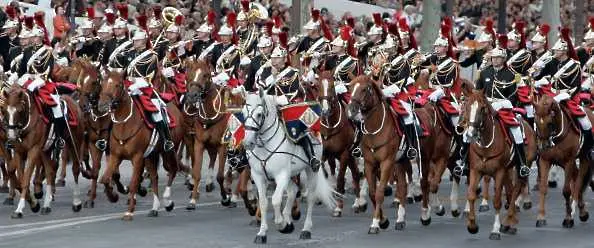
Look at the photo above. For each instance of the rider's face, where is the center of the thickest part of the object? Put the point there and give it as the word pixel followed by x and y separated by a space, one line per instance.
pixel 266 50
pixel 441 50
pixel 337 49
pixel 119 31
pixel 536 45
pixel 498 61
pixel 172 36
pixel 512 44
pixel 225 38
pixel 278 62
pixel 559 54
pixel 139 44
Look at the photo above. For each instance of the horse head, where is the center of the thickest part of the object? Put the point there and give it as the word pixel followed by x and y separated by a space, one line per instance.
pixel 16 111
pixel 477 110
pixel 112 92
pixel 199 80
pixel 327 95
pixel 365 96
pixel 547 112
pixel 259 112
pixel 87 80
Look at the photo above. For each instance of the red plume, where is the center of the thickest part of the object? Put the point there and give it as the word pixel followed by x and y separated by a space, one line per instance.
pixel 544 30
pixel 377 19
pixel 519 27
pixel 231 19
pixel 91 13
pixel 268 28
pixel 565 35
pixel 350 22
pixel 278 22
pixel 11 12
pixel 245 5
pixel 142 22
pixel 179 19
pixel 403 25
pixel 502 39
pixel 489 28
pixel 345 33
pixel 326 30
pixel 123 9
pixel 211 17
pixel 393 29
pixel 157 12
pixel 110 18
pixel 38 17
pixel 315 14
pixel 283 40
pixel 445 32
pixel 29 22
pixel 591 22
pixel 405 28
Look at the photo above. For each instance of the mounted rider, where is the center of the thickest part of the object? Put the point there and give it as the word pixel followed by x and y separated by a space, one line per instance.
pixel 224 55
pixel 11 38
pixel 519 61
pixel 265 46
pixel 565 72
pixel 140 71
pixel 175 48
pixel 375 38
pixel 585 52
pixel 480 56
pixel 500 85
pixel 247 32
pixel 107 37
pixel 205 36
pixel 343 62
pixel 16 53
pixel 313 48
pixel 285 85
pixel 85 44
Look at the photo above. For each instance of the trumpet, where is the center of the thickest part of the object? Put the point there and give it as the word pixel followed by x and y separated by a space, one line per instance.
pixel 541 62
pixel 322 54
pixel 589 65
pixel 168 15
pixel 81 39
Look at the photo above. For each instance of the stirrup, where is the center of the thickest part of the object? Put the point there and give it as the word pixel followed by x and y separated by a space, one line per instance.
pixel 459 169
pixel 60 143
pixel 101 145
pixel 168 145
pixel 357 153
pixel 524 171
pixel 411 153
pixel 315 164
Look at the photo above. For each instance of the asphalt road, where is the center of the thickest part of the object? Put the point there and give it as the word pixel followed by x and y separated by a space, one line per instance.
pixel 212 225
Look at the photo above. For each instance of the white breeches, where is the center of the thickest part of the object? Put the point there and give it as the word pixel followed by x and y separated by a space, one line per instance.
pixel 410 118
pixel 56 110
pixel 137 84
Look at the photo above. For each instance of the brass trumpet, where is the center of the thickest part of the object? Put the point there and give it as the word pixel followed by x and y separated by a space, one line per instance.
pixel 168 15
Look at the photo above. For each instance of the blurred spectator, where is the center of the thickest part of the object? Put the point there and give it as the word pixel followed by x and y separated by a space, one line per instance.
pixel 61 24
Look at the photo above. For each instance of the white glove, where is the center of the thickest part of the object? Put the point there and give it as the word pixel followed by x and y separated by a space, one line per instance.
pixel 340 89
pixel 587 84
pixel 543 81
pixel 181 50
pixel 309 77
pixel 293 40
pixel 12 78
pixel 281 100
pixel 316 55
pixel 221 79
pixel 36 84
pixel 436 95
pixel 269 81
pixel 23 79
pixel 62 61
pixel 168 72
pixel 391 90
pixel 410 81
pixel 245 60
pixel 238 90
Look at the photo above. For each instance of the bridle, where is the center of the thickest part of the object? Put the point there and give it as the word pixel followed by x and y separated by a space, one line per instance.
pixel 480 126
pixel 20 128
pixel 551 126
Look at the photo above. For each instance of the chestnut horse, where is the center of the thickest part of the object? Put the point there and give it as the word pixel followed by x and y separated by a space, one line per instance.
pixel 338 136
pixel 490 153
pixel 130 139
pixel 559 143
pixel 204 101
pixel 27 135
pixel 381 151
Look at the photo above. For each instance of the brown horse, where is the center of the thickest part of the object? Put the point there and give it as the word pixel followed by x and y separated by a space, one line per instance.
pixel 27 135
pixel 558 140
pixel 338 136
pixel 490 154
pixel 205 102
pixel 379 143
pixel 130 139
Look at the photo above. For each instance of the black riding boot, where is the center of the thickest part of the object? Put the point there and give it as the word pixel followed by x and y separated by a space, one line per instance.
pixel 520 157
pixel 59 130
pixel 163 130
pixel 307 146
pixel 588 143
pixel 411 139
pixel 461 168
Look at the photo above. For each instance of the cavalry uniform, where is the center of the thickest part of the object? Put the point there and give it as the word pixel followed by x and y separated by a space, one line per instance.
pixel 519 61
pixel 172 62
pixel 586 57
pixel 257 63
pixel 87 46
pixel 313 50
pixel 369 49
pixel 9 41
pixel 565 83
pixel 223 56
pixel 479 57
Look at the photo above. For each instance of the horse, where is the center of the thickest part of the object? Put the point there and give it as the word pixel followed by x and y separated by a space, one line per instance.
pixel 204 102
pixel 559 143
pixel 272 156
pixel 383 152
pixel 490 154
pixel 131 138
pixel 30 142
pixel 338 136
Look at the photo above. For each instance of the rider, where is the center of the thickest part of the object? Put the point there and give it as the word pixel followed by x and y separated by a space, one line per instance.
pixel 204 37
pixel 141 71
pixel 375 38
pixel 344 62
pixel 247 31
pixel 265 47
pixel 565 72
pixel 105 33
pixel 485 44
pixel 11 39
pixel 500 85
pixel 85 44
pixel 224 55
pixel 519 62
pixel 284 82
pixel 585 52
pixel 175 48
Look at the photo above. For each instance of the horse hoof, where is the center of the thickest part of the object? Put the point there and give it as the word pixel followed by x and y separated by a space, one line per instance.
pixel 38 195
pixel 46 210
pixel 495 236
pixel 384 225
pixel 16 215
pixel 585 217
pixel 8 201
pixel 297 216
pixel 568 223
pixel 455 213
pixel 527 205
pixel 127 217
pixel 400 226
pixel 373 230
pixel 506 206
pixel 113 198
pixel 426 222
pixel 472 229
pixel 226 201
pixel 512 231
pixel 210 187
pixel 233 205
pixel 337 214
pixel 552 184
pixel 484 208
pixel 60 183
pixel 289 228
pixel 305 235
pixel 142 191
pixel 36 208
pixel 260 240
pixel 361 208
pixel 89 204
pixel 153 213
pixel 388 191
pixel 170 207
pixel 190 186
pixel 518 209
pixel 410 200
pixel 191 207
pixel 76 208
pixel 418 198
pixel 536 187
pixel 541 223
pixel 440 212
pixel 3 189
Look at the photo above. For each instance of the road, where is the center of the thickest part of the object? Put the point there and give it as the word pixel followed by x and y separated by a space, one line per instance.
pixel 212 225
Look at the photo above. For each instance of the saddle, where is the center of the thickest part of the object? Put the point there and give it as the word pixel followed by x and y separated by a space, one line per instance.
pixel 523 94
pixel 507 118
pixel 420 125
pixel 42 97
pixel 143 104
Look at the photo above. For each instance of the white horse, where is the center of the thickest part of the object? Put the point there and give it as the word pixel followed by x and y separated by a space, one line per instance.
pixel 272 156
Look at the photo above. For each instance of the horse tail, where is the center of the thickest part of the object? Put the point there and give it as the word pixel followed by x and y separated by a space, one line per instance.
pixel 587 177
pixel 324 191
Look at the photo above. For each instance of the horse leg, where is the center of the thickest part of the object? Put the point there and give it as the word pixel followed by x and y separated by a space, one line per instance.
pixel 282 182
pixel 32 160
pixel 386 171
pixel 96 160
pixel 360 204
pixel 151 166
pixel 583 179
pixel 190 156
pixel 340 181
pixel 434 179
pixel 569 177
pixel 495 232
pixel 198 154
pixel 454 197
pixel 212 156
pixel 260 182
pixel 225 199
pixel 63 165
pixel 38 182
pixel 242 189
pixel 484 207
pixel 401 190
pixel 76 201
pixel 543 171
pixel 471 224
pixel 288 210
pixel 5 177
pixel 12 167
pixel 50 175
pixel 109 174
pixel 371 176
pixel 172 165
pixel 332 166
pixel 137 169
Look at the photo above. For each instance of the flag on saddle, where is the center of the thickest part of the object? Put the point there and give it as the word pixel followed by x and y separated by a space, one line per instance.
pixel 299 119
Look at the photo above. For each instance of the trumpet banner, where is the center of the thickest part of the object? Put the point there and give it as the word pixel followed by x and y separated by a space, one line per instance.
pixel 301 118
